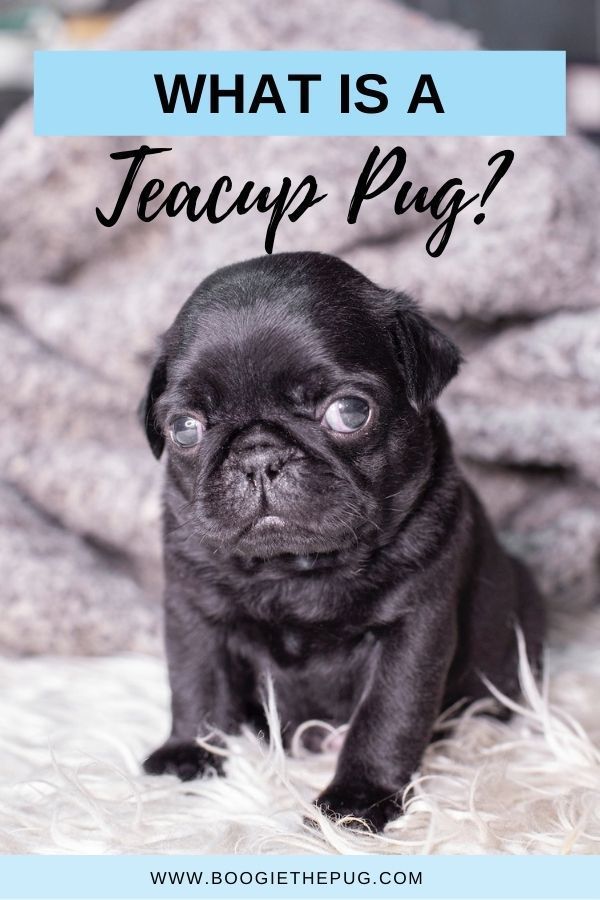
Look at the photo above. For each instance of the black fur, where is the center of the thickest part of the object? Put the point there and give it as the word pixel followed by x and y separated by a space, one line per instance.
pixel 385 596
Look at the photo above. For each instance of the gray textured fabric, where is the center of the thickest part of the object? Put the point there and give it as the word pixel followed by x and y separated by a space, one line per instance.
pixel 82 305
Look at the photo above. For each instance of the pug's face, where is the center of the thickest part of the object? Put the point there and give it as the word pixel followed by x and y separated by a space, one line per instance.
pixel 289 396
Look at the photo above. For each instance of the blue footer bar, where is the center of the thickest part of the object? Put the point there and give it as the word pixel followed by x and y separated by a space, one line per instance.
pixel 425 877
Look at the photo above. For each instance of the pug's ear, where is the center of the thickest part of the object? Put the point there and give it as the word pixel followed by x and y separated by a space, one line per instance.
pixel 156 387
pixel 428 358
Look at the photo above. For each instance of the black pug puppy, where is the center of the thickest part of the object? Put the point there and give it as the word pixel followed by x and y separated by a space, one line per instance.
pixel 316 526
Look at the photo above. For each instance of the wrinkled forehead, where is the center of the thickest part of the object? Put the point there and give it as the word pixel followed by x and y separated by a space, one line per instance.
pixel 265 345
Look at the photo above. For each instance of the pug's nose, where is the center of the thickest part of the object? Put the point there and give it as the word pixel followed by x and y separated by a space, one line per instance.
pixel 263 465
pixel 260 455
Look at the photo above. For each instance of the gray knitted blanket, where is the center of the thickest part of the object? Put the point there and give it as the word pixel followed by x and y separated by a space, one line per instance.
pixel 81 307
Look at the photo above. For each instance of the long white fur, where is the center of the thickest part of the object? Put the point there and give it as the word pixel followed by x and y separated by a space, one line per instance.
pixel 73 731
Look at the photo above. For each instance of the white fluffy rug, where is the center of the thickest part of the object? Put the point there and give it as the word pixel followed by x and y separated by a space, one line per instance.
pixel 73 732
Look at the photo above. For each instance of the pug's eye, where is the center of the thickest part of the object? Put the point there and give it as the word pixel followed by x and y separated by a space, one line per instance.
pixel 347 414
pixel 186 431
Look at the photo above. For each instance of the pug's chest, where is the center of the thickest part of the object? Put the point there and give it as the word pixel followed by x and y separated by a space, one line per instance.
pixel 319 672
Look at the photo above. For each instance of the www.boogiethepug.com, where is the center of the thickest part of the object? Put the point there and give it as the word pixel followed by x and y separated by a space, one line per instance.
pixel 316 526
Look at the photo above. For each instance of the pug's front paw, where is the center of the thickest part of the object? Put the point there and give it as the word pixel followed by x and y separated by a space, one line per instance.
pixel 186 759
pixel 374 808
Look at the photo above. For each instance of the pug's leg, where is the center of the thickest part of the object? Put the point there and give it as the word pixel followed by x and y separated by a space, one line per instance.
pixel 201 696
pixel 393 724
